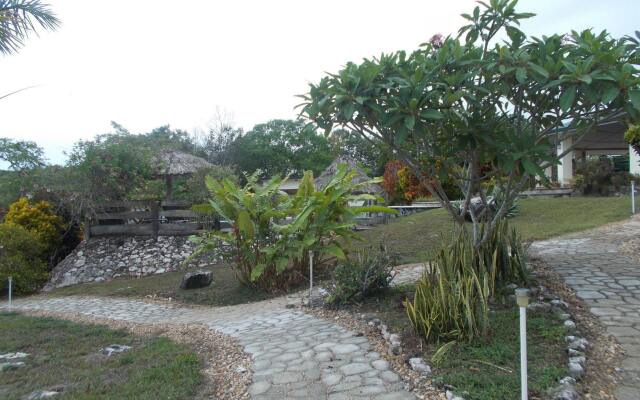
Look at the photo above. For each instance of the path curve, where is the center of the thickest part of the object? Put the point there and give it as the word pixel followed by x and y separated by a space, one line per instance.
pixel 608 280
pixel 294 355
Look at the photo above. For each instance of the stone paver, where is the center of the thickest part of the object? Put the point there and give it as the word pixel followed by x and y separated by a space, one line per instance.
pixel 295 355
pixel 609 282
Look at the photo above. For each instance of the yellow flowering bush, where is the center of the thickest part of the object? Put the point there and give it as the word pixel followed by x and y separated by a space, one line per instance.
pixel 38 219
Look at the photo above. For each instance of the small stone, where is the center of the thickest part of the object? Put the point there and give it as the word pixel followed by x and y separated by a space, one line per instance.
pixel 559 304
pixel 395 349
pixel 419 365
pixel 13 356
pixel 578 360
pixel 567 380
pixel 115 349
pixel 395 339
pixel 380 365
pixel 241 369
pixel 196 280
pixel 10 366
pixel 579 344
pixel 576 370
pixel 570 324
pixel 354 368
pixel 41 394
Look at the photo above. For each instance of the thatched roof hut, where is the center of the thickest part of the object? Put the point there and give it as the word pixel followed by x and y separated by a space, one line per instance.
pixel 170 163
pixel 352 165
pixel 174 162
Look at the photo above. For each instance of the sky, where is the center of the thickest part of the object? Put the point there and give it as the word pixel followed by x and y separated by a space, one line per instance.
pixel 148 63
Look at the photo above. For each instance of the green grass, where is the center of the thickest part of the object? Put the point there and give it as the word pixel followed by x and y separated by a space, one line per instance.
pixel 225 289
pixel 490 369
pixel 67 354
pixel 415 237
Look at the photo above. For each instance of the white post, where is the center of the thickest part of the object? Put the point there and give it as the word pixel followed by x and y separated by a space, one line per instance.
pixel 633 197
pixel 634 161
pixel 522 297
pixel 310 278
pixel 10 288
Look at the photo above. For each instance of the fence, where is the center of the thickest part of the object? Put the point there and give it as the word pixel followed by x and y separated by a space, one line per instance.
pixel 145 218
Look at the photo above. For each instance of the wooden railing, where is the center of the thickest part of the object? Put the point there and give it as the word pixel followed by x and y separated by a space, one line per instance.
pixel 145 218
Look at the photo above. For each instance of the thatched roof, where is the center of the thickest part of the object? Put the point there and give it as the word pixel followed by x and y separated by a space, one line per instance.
pixel 352 165
pixel 173 162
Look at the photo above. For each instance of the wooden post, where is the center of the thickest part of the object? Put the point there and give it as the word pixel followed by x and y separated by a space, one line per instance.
pixel 87 228
pixel 155 219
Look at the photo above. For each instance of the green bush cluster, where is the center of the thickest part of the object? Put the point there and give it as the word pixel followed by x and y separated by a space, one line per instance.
pixel 21 257
pixel 364 274
pixel 451 302
pixel 599 177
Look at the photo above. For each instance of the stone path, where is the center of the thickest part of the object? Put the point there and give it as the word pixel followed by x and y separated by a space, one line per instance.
pixel 609 281
pixel 295 355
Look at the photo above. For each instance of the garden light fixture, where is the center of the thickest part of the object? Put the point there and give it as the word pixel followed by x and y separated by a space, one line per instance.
pixel 522 298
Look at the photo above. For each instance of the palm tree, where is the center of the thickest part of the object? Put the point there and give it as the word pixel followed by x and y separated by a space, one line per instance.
pixel 20 18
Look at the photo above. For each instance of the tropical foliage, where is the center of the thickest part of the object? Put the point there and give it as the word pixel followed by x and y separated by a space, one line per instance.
pixel 273 234
pixel 473 109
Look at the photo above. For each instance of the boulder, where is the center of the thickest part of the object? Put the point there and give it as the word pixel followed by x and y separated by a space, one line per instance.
pixel 196 280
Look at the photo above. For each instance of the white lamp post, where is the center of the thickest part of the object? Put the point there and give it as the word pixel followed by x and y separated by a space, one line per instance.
pixel 10 288
pixel 522 298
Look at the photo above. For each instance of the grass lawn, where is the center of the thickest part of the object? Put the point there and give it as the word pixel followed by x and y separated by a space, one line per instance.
pixel 490 369
pixel 416 236
pixel 66 354
pixel 225 289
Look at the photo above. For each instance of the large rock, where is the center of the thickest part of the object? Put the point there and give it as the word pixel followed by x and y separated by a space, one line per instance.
pixel 196 280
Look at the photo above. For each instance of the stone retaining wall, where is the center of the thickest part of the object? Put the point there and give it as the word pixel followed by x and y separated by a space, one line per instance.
pixel 105 258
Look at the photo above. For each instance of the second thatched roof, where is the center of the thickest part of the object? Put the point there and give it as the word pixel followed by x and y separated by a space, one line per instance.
pixel 352 165
pixel 174 162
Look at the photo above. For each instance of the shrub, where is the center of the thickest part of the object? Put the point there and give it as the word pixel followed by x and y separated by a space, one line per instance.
pixel 39 219
pixel 599 177
pixel 451 301
pixel 361 276
pixel 21 257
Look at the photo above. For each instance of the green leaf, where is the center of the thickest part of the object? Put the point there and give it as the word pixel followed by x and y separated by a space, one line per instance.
pixel 281 264
pixel 334 250
pixel 431 114
pixel 634 96
pixel 245 225
pixel 348 110
pixel 521 75
pixel 567 98
pixel 610 94
pixel 409 121
pixel 586 79
pixel 257 271
pixel 539 70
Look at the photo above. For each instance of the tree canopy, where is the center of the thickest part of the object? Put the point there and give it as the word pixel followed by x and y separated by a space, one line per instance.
pixel 21 18
pixel 481 111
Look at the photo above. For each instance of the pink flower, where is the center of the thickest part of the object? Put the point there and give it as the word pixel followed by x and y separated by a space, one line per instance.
pixel 437 40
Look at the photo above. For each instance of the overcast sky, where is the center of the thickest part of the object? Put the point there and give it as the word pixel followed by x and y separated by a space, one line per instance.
pixel 147 63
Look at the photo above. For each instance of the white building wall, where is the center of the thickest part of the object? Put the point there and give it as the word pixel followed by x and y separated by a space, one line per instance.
pixel 565 168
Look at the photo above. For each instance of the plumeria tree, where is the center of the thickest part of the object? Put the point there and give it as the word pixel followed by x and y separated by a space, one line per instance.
pixel 485 107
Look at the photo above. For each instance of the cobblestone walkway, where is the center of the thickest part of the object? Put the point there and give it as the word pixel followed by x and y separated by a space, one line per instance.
pixel 295 355
pixel 609 281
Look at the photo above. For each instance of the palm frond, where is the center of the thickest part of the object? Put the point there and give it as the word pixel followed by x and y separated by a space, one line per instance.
pixel 19 19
